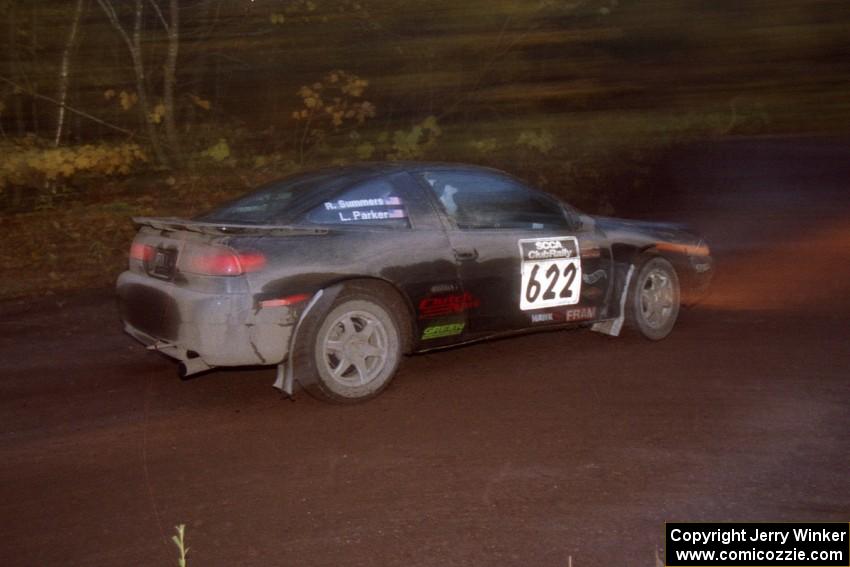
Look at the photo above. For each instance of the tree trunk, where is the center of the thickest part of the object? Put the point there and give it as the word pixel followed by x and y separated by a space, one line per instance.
pixel 170 70
pixel 63 72
pixel 141 84
pixel 134 46
pixel 34 108
pixel 14 63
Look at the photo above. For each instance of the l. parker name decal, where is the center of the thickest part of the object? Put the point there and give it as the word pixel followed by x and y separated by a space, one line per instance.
pixel 371 214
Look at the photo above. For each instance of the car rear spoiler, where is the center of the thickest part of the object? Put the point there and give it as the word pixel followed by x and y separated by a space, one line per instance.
pixel 216 228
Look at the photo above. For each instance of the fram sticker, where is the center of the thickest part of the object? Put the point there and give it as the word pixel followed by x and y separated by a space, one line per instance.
pixel 580 314
pixel 447 305
pixel 551 272
pixel 439 331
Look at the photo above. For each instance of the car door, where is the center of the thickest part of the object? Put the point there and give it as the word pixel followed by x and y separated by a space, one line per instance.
pixel 391 230
pixel 521 259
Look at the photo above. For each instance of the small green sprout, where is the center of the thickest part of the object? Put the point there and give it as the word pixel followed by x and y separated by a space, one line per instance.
pixel 181 544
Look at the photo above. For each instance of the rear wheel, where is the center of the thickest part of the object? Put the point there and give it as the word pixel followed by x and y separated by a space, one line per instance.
pixel 654 299
pixel 356 350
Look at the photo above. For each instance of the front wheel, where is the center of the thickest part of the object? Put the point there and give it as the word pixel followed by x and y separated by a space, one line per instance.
pixel 654 299
pixel 356 351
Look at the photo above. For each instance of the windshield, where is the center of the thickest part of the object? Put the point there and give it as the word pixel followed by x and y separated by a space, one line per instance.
pixel 282 201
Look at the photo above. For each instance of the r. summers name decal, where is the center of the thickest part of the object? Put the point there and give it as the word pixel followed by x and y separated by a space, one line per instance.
pixel 362 203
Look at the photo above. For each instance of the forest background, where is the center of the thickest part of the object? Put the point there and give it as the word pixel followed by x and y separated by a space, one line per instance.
pixel 116 108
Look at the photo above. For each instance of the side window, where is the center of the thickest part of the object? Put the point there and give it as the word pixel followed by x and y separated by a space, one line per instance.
pixel 480 200
pixel 373 203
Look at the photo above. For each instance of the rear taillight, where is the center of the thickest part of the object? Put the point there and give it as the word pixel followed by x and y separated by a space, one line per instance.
pixel 252 261
pixel 141 252
pixel 209 261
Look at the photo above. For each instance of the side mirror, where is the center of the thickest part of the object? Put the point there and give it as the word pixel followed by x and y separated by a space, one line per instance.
pixel 574 219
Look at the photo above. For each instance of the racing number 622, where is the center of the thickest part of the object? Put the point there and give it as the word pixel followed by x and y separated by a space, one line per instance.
pixel 552 274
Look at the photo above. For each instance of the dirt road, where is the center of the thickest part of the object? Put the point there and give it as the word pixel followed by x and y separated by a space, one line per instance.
pixel 519 452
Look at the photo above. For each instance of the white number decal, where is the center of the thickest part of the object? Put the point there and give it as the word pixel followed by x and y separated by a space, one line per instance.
pixel 551 272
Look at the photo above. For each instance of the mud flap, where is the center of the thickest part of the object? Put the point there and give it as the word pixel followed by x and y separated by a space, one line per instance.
pixel 293 367
pixel 614 326
pixel 281 382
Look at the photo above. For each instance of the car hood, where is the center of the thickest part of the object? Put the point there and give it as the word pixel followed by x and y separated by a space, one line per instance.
pixel 627 229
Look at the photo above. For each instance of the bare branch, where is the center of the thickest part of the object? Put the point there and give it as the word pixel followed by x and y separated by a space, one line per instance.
pixel 109 10
pixel 159 13
pixel 500 52
pixel 66 107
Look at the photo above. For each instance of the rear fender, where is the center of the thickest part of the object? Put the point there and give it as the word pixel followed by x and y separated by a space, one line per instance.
pixel 294 367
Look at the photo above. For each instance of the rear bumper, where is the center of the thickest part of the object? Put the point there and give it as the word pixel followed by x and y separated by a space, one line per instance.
pixel 220 329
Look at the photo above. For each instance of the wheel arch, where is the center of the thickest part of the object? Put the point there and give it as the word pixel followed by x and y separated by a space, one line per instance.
pixel 679 261
pixel 385 288
pixel 626 256
pixel 323 301
pixel 633 315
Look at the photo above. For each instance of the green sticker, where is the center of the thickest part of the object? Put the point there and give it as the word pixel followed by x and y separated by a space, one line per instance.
pixel 439 331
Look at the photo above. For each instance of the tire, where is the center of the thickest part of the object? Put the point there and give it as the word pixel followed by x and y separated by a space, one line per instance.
pixel 654 299
pixel 356 349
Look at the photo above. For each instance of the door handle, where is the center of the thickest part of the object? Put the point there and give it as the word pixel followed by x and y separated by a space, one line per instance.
pixel 463 254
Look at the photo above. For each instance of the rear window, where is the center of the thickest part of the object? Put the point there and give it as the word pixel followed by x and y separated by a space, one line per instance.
pixel 282 201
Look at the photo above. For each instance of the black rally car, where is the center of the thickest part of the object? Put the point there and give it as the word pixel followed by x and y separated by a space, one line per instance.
pixel 333 275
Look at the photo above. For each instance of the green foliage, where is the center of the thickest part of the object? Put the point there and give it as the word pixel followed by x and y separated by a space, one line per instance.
pixel 484 147
pixel 330 107
pixel 299 11
pixel 126 100
pixel 335 100
pixel 277 164
pixel 27 163
pixel 219 151
pixel 365 151
pixel 540 141
pixel 414 143
pixel 200 102
pixel 157 113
